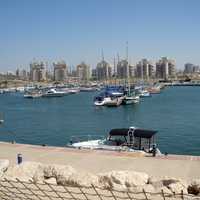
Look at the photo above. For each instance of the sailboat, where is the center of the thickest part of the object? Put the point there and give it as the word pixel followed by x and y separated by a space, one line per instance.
pixel 130 97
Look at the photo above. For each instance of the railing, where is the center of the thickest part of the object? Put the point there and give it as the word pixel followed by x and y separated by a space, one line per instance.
pixel 20 190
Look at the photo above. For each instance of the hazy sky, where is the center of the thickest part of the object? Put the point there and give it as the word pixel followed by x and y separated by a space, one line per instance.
pixel 77 30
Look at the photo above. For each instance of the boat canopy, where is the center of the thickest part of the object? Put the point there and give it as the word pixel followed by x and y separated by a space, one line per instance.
pixel 141 133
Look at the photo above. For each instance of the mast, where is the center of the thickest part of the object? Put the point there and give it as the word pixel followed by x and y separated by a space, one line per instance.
pixel 115 71
pixel 127 69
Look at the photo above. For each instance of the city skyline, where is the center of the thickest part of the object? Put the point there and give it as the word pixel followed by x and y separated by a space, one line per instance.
pixel 77 31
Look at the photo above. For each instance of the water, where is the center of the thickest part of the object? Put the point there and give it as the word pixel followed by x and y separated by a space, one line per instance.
pixel 175 113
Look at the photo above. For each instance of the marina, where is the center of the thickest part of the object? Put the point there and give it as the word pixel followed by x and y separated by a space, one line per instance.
pixel 53 121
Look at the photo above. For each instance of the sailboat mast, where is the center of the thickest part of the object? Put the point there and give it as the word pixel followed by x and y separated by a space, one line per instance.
pixel 127 68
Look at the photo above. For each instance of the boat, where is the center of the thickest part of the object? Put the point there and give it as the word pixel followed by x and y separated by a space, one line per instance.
pixel 101 101
pixel 74 90
pixel 114 102
pixel 53 93
pixel 32 94
pixel 131 99
pixel 87 89
pixel 109 96
pixel 123 139
pixel 154 90
pixel 144 93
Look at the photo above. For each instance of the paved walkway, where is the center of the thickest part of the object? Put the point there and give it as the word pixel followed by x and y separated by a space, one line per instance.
pixel 185 167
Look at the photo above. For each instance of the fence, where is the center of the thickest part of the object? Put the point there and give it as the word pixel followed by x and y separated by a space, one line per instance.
pixel 20 190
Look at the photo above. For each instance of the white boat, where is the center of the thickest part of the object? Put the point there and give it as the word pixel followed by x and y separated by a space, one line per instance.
pixel 32 94
pixel 73 90
pixel 114 102
pixel 53 93
pixel 125 139
pixel 130 100
pixel 144 93
pixel 101 101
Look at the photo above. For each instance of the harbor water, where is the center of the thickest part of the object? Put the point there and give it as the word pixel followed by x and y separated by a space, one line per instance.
pixel 174 113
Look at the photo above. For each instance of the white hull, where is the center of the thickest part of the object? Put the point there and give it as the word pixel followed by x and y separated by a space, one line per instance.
pixel 103 102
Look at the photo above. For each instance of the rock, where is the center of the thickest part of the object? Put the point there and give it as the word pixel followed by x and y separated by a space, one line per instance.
pixel 63 174
pixel 194 187
pixel 57 170
pixel 177 188
pixel 165 190
pixel 24 172
pixel 122 179
pixel 104 181
pixel 167 181
pixel 82 179
pixel 51 181
pixel 155 182
pixel 3 166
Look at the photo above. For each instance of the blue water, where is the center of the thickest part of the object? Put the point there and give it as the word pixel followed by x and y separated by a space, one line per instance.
pixel 175 113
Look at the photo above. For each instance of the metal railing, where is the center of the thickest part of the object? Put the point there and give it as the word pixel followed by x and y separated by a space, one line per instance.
pixel 20 190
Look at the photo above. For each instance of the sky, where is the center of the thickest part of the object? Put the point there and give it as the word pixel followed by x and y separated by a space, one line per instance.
pixel 78 30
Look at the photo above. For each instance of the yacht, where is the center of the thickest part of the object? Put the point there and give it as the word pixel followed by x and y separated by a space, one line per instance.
pixel 131 99
pixel 101 101
pixel 32 94
pixel 123 139
pixel 53 93
pixel 114 102
pixel 144 93
pixel 111 96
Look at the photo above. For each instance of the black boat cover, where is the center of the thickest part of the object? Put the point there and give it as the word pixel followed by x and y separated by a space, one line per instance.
pixel 142 133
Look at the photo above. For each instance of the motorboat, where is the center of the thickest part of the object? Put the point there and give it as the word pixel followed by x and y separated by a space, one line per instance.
pixel 144 93
pixel 101 101
pixel 114 102
pixel 131 99
pixel 53 93
pixel 122 139
pixel 74 90
pixel 111 96
pixel 32 94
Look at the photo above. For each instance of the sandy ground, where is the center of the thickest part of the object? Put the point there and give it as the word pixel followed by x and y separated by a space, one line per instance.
pixel 184 167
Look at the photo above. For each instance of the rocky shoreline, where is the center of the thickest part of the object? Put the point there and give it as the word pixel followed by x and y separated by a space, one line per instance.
pixel 124 180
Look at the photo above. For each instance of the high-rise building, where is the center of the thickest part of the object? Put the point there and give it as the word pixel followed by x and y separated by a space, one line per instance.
pixel 122 69
pixel 103 70
pixel 37 71
pixel 191 68
pixel 165 68
pixel 83 71
pixel 60 71
pixel 144 69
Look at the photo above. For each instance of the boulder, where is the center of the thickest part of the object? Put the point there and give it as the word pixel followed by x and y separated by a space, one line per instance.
pixel 194 187
pixel 177 188
pixel 155 182
pixel 3 166
pixel 82 179
pixel 165 190
pixel 169 180
pixel 124 179
pixel 51 181
pixel 24 172
pixel 58 170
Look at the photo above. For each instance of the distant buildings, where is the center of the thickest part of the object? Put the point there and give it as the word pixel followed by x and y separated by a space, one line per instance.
pixel 165 68
pixel 190 68
pixel 37 71
pixel 22 74
pixel 60 71
pixel 122 69
pixel 145 69
pixel 103 71
pixel 83 72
